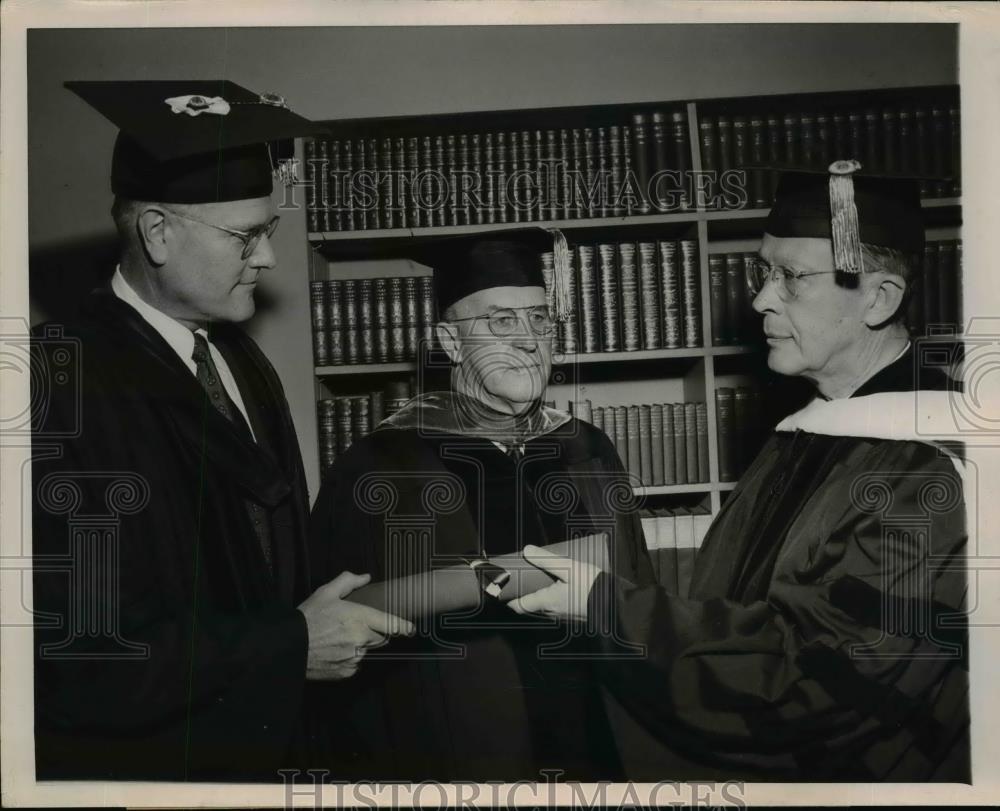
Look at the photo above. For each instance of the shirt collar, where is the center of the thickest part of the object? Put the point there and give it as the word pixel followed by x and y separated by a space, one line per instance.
pixel 179 337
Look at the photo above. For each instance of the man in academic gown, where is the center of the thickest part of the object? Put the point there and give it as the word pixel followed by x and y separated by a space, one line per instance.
pixel 480 470
pixel 176 627
pixel 824 634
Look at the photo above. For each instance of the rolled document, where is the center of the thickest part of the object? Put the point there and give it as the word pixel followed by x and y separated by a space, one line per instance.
pixel 456 588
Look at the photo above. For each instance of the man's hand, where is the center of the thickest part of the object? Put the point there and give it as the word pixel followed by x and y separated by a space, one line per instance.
pixel 341 631
pixel 567 597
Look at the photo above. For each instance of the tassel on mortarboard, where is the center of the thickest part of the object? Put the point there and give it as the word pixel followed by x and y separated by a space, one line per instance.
pixel 557 285
pixel 844 227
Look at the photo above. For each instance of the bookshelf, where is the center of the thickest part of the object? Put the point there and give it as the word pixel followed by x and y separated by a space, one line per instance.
pixel 913 129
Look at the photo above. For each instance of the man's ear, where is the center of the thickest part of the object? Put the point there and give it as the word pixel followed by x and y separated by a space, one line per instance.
pixel 447 335
pixel 151 232
pixel 885 298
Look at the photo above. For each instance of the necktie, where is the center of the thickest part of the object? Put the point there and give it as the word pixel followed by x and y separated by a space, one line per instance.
pixel 208 376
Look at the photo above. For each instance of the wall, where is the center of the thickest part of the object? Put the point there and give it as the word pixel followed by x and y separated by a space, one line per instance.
pixel 352 72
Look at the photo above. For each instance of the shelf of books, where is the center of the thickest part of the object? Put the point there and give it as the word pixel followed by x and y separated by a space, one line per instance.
pixel 662 204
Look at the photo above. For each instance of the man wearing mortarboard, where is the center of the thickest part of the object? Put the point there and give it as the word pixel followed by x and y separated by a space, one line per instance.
pixel 176 629
pixel 824 636
pixel 480 470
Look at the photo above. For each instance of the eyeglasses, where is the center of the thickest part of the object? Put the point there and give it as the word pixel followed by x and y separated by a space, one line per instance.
pixel 785 279
pixel 506 322
pixel 250 238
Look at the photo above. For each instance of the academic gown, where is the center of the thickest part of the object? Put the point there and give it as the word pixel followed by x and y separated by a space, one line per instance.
pixel 777 667
pixel 190 661
pixel 471 698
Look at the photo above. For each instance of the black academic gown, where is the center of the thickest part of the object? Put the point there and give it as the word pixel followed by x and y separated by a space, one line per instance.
pixel 824 636
pixel 472 700
pixel 191 663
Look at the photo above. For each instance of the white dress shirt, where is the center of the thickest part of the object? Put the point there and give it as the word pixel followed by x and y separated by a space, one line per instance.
pixel 180 339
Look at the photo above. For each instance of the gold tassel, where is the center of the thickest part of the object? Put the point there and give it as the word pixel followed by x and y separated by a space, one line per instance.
pixel 562 263
pixel 844 228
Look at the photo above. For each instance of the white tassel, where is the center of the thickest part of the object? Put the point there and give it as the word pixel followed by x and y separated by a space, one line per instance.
pixel 562 268
pixel 844 228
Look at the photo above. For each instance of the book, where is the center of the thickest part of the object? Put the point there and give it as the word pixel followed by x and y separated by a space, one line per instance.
pixel 690 292
pixel 397 321
pixel 611 429
pixel 529 183
pixel 617 167
pixel 646 446
pixel 503 173
pixel 320 336
pixel 890 139
pixel 824 139
pixel 621 437
pixel 649 296
pixel 371 200
pixel 659 156
pixel 411 317
pixel 410 193
pixel 352 345
pixel 792 137
pixel 333 301
pixel 427 314
pixel 709 161
pixel 724 397
pixel 376 400
pixel 350 216
pixel 326 425
pixel 540 175
pixel 313 179
pixel 514 190
pixel 641 159
pixel 366 331
pixel 439 212
pixel 741 150
pixel 670 292
pixel 570 328
pixel 344 426
pixel 656 444
pixel 591 166
pixel 691 442
pixel 807 137
pixel 610 321
pixel 948 283
pixel 597 416
pixel 741 429
pixel 955 145
pixel 475 186
pixel 682 151
pixel 590 330
pixel 760 193
pixel 634 440
pixel 387 163
pixel 452 169
pixel 680 444
pixel 701 415
pixel 583 410
pixel 735 285
pixel 565 167
pixel 360 418
pixel 669 449
pixel 462 174
pixel 629 281
pixel 578 207
pixel 717 290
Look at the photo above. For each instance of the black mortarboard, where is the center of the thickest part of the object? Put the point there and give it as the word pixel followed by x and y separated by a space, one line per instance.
pixel 523 257
pixel 848 207
pixel 186 141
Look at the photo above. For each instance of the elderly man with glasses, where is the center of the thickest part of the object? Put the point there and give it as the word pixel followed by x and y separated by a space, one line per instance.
pixel 824 635
pixel 455 476
pixel 176 628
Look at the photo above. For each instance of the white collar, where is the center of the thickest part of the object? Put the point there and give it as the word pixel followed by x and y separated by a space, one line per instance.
pixel 179 337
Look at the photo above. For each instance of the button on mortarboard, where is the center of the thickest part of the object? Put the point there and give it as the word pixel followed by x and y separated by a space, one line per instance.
pixel 191 141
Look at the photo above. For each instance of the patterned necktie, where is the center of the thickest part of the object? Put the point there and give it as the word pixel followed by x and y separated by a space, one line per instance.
pixel 208 376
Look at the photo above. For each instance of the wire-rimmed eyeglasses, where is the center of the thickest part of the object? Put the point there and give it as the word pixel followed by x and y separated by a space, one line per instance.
pixel 250 238
pixel 785 279
pixel 505 322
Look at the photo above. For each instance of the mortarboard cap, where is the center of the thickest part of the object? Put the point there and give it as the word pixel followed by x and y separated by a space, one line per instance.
pixel 523 257
pixel 849 207
pixel 193 141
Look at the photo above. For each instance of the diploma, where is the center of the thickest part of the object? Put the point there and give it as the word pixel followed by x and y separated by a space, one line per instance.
pixel 457 588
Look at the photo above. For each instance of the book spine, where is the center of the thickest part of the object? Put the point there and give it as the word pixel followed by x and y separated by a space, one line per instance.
pixel 352 346
pixel 709 157
pixel 376 405
pixel 334 299
pixel 366 331
pixel 611 429
pixel 326 424
pixel 591 167
pixel 904 140
pixel 649 298
pixel 691 441
pixel 922 147
pixel 584 411
pixel 915 306
pixel 314 175
pixel 610 326
pixel 792 137
pixel 489 176
pixel 397 321
pixel 741 154
pixel 549 173
pixel 872 139
pixel 669 450
pixel 381 320
pixel 717 290
pixel 427 315
pixel 347 189
pixel 656 443
pixel 959 308
pixel 528 179
pixel 641 163
pixel 621 436
pixel 724 143
pixel 807 134
pixel 932 284
pixel 578 168
pixel 947 284
pixel 760 193
pixel 320 336
pixel 617 170
pixel 890 139
pixel 386 181
pixel 629 194
pixel 724 414
pixel 631 332
pixel 360 196
pixel 451 162
pixel 775 152
pixel 741 429
pixel 645 446
pixel 955 147
pixel 605 180
pixel 634 439
pixel 571 326
pixel 840 136
pixel 361 424
pixel 856 137
pixel 373 162
pixel 680 444
pixel 597 416
pixel 940 150
pixel 590 326
pixel 503 172
pixel 540 175
pixel 442 210
pixel 411 317
pixel 426 185
pixel 345 429
pixel 332 188
pixel 734 296
pixel 691 297
pixel 476 205
pixel 410 216
pixel 462 177
pixel 548 276
pixel 701 417
pixel 515 182
pixel 681 152
pixel 670 289
pixel 824 139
